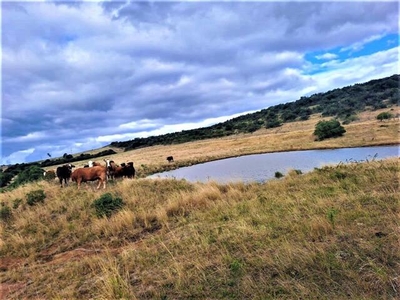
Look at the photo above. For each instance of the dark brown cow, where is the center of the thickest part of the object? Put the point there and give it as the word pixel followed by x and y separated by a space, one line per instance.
pixel 64 173
pixel 125 170
pixel 170 159
pixel 115 170
pixel 90 174
pixel 129 170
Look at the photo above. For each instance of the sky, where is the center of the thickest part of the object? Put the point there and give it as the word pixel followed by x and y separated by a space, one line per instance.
pixel 78 75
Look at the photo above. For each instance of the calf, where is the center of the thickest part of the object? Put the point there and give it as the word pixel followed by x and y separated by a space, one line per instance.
pixel 49 175
pixel 64 173
pixel 90 174
pixel 170 159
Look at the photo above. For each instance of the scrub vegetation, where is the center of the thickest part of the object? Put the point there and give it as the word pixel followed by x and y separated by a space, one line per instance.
pixel 332 233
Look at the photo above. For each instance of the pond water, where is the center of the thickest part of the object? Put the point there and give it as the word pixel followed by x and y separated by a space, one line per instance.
pixel 261 167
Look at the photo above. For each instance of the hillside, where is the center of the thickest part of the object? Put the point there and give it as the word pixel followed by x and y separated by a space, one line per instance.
pixel 328 234
pixel 343 103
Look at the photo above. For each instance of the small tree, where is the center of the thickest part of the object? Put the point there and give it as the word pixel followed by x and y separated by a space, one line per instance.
pixel 328 129
pixel 384 116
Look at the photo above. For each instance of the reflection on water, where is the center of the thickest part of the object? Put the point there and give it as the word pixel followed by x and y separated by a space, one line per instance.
pixel 261 167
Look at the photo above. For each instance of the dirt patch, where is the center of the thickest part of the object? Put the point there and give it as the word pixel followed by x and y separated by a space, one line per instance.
pixel 7 288
pixel 10 262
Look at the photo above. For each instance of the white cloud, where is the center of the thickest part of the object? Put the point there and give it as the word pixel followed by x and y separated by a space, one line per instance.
pixel 16 157
pixel 327 56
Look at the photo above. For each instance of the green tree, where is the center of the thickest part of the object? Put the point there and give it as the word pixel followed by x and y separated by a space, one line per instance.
pixel 384 116
pixel 328 129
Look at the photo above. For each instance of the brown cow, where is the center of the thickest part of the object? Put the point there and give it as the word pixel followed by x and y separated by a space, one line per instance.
pixel 114 170
pixel 90 174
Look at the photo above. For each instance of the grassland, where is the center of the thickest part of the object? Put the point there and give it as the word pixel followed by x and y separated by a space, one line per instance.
pixel 329 234
pixel 366 131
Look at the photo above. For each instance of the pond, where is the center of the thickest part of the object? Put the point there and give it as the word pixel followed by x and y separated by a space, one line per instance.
pixel 261 167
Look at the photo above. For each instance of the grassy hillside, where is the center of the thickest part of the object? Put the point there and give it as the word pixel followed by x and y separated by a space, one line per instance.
pixel 342 103
pixel 329 234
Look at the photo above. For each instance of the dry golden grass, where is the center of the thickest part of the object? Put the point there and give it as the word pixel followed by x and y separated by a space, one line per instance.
pixel 331 234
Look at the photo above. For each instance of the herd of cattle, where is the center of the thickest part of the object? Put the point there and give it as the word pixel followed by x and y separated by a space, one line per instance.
pixel 94 171
pixel 91 172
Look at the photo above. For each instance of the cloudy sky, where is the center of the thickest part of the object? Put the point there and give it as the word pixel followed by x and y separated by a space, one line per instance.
pixel 79 75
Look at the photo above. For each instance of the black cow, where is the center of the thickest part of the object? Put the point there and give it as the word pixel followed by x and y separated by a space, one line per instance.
pixel 64 173
pixel 129 170
pixel 170 159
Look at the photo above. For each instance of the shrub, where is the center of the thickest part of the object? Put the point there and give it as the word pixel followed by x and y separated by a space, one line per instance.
pixel 16 203
pixel 384 116
pixel 106 205
pixel 5 213
pixel 272 123
pixel 328 129
pixel 278 175
pixel 33 173
pixel 350 118
pixel 34 197
pixel 5 178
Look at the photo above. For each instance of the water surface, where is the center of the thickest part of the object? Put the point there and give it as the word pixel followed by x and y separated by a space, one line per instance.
pixel 261 167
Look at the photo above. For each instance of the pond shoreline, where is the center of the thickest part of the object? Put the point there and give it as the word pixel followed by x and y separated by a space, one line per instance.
pixel 183 164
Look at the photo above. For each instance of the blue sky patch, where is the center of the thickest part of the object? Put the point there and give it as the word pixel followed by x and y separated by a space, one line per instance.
pixel 318 59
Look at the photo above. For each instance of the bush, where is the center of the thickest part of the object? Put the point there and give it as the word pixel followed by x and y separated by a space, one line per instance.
pixel 106 205
pixel 34 197
pixel 328 129
pixel 5 178
pixel 33 173
pixel 384 116
pixel 272 123
pixel 350 118
pixel 16 203
pixel 5 213
pixel 278 175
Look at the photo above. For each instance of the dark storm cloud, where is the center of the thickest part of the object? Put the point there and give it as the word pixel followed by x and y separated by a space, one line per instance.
pixel 78 75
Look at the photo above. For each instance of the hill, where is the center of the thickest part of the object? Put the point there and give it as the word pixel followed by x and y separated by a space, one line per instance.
pixel 342 103
pixel 328 234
